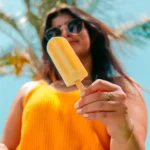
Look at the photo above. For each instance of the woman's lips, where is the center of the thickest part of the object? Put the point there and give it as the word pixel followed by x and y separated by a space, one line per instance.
pixel 72 42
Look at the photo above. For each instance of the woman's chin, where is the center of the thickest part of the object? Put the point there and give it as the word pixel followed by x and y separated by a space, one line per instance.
pixel 75 47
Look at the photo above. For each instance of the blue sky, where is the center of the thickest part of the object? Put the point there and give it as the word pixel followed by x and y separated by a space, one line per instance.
pixel 137 64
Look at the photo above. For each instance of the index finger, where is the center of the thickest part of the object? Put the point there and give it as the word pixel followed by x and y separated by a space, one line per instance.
pixel 99 85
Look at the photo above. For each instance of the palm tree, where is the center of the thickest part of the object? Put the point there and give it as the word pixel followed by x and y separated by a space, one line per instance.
pixel 22 57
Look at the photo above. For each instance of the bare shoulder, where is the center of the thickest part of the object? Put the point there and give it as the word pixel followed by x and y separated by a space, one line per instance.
pixel 130 86
pixel 26 88
pixel 132 89
pixel 120 80
pixel 12 128
pixel 29 85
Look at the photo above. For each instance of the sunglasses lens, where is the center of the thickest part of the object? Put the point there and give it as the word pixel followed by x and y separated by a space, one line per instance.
pixel 75 26
pixel 52 33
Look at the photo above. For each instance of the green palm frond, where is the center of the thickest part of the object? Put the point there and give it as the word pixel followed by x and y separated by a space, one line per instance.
pixel 74 2
pixel 34 60
pixel 34 19
pixel 142 30
pixel 9 20
pixel 16 60
pixel 36 11
pixel 13 58
pixel 26 38
pixel 135 31
pixel 133 34
pixel 27 2
pixel 89 5
pixel 4 71
pixel 125 27
pixel 10 35
pixel 45 6
pixel 13 24
pixel 22 59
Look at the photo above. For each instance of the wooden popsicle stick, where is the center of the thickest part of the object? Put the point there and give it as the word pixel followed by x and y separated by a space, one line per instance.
pixel 79 85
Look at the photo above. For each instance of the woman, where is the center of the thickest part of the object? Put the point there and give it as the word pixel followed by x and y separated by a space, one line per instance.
pixel 109 114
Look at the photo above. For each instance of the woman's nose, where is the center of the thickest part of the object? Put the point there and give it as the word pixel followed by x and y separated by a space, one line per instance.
pixel 64 32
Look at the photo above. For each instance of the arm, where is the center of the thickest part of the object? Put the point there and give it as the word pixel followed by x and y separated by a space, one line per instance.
pixel 114 105
pixel 12 130
pixel 138 112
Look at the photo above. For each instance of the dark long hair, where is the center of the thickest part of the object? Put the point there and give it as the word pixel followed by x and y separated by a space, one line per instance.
pixel 104 63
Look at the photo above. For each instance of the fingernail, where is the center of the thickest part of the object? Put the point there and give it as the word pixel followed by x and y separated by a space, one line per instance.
pixel 79 110
pixel 2 146
pixel 82 93
pixel 86 115
pixel 76 105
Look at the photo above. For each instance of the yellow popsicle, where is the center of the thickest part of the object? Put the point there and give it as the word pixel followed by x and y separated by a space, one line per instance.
pixel 66 61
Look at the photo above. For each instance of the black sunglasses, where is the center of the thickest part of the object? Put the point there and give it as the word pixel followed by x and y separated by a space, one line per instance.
pixel 74 27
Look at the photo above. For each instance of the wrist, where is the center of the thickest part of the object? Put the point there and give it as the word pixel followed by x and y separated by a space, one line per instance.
pixel 124 134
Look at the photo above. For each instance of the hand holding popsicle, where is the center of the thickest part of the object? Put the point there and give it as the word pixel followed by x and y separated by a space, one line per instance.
pixel 95 104
pixel 106 102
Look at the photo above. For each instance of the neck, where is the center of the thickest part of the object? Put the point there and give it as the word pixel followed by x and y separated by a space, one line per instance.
pixel 87 62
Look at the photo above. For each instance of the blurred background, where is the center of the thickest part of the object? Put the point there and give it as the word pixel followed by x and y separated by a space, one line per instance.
pixel 20 23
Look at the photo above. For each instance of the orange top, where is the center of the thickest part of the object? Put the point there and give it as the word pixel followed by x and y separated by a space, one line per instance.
pixel 50 122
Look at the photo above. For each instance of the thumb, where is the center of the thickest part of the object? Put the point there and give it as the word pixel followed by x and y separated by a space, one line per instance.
pixel 3 147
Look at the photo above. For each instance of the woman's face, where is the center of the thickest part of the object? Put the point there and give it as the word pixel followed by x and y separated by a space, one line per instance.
pixel 80 42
